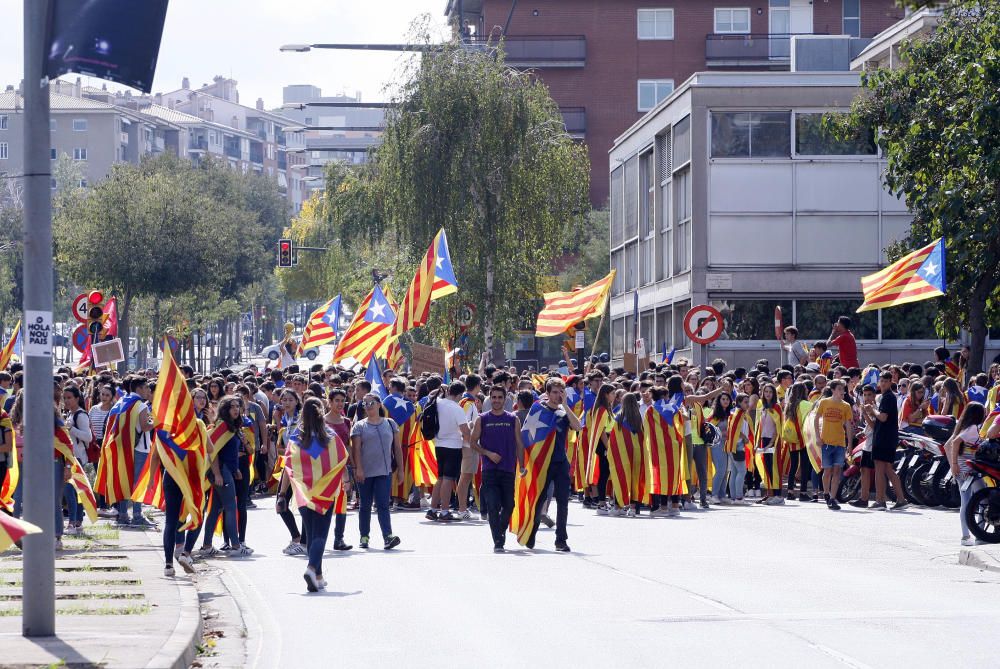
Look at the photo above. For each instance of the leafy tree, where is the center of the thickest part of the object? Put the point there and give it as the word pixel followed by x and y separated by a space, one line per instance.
pixel 939 119
pixel 480 149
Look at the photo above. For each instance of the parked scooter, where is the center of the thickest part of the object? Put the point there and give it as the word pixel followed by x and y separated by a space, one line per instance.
pixel 925 452
pixel 983 512
pixel 850 480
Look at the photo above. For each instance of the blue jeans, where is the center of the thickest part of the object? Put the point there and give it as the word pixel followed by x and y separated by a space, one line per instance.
pixel 72 503
pixel 317 528
pixel 122 505
pixel 226 505
pixel 377 488
pixel 966 495
pixel 738 465
pixel 172 500
pixel 17 492
pixel 59 468
pixel 721 461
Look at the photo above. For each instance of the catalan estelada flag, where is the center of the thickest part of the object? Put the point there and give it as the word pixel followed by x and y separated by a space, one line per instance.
pixel 916 276
pixel 394 355
pixel 368 333
pixel 181 440
pixel 78 477
pixel 563 310
pixel 665 449
pixel 315 470
pixel 539 437
pixel 626 466
pixel 13 530
pixel 9 483
pixel 323 325
pixel 404 413
pixel 148 488
pixel 8 349
pixel 599 424
pixel 115 469
pixel 435 278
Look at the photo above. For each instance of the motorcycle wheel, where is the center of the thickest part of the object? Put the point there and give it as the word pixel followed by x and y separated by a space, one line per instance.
pixel 929 488
pixel 983 515
pixel 906 489
pixel 911 483
pixel 849 489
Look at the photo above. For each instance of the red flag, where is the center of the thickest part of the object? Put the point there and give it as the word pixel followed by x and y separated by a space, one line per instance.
pixel 111 311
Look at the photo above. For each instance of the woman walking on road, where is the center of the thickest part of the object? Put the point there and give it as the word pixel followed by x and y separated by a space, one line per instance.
pixel 375 441
pixel 315 462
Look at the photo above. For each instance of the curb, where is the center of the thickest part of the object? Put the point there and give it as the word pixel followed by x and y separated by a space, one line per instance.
pixel 980 559
pixel 180 648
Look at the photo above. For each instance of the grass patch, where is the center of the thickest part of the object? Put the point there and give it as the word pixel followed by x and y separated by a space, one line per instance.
pixel 92 557
pixel 17 583
pixel 133 610
pixel 93 567
pixel 82 595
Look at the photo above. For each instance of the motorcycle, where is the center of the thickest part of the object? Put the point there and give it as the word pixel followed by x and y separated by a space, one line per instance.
pixel 850 480
pixel 983 512
pixel 928 461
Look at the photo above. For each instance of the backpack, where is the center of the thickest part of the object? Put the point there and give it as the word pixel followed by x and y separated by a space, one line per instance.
pixel 93 448
pixel 430 425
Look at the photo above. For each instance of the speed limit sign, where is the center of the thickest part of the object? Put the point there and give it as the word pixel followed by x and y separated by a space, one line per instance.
pixel 80 307
pixel 465 315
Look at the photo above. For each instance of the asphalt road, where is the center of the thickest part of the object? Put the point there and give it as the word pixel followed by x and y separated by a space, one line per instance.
pixel 796 586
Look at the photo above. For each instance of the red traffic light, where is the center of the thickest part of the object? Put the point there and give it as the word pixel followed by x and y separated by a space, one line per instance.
pixel 95 297
pixel 285 253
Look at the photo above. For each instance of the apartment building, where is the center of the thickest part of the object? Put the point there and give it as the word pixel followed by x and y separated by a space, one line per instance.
pixel 607 62
pixel 96 134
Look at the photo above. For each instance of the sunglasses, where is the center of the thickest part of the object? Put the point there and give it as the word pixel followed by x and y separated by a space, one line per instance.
pixel 370 403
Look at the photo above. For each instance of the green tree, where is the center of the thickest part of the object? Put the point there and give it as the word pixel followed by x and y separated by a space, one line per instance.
pixel 480 149
pixel 939 119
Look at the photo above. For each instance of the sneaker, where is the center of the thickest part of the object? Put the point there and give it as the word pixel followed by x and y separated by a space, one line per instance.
pixel 364 543
pixel 805 498
pixel 168 571
pixel 59 545
pixel 251 505
pixel 143 523
pixel 186 563
pixel 815 498
pixel 587 503
pixel 602 510
pixel 770 501
pixel 859 504
pixel 322 583
pixel 879 506
pixel 293 548
pixel 483 515
pixel 704 505
pixel 968 541
pixel 630 512
pixel 673 512
pixel 546 521
pixel 499 549
pixel 742 502
pixel 341 546
pixel 391 542
pixel 242 551
pixel 431 515
pixel 312 581
pixel 781 501
pixel 208 551
pixel 833 505
pixel 71 530
pixel 464 515
pixel 902 504
pixel 561 547
pixel 226 548
pixel 446 517
pixel 122 522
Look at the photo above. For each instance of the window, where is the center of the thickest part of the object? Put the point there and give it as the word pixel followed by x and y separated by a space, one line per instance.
pixel 852 17
pixel 616 264
pixel 653 91
pixel 681 339
pixel 682 142
pixel 616 206
pixel 631 223
pixel 52 183
pixel 682 218
pixel 631 253
pixel 656 24
pixel 663 270
pixel 751 319
pixel 910 321
pixel 751 134
pixel 732 20
pixel 814 318
pixel 53 154
pixel 3 121
pixel 812 138
pixel 79 154
pixel 52 125
pixel 647 226
pixel 664 327
pixel 617 338
pixel 79 125
pixel 83 183
pixel 3 150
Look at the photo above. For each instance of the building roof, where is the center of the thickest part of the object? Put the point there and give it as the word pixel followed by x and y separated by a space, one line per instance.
pixel 917 23
pixel 11 100
pixel 182 118
pixel 743 80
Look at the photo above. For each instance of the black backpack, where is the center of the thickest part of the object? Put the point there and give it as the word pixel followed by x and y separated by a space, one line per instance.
pixel 429 423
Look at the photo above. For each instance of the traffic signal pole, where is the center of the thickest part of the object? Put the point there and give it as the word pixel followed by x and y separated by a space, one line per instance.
pixel 38 589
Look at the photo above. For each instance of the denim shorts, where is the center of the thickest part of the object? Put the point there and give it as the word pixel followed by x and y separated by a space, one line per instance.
pixel 833 456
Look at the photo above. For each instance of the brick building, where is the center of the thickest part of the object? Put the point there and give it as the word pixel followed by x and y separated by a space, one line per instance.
pixel 607 62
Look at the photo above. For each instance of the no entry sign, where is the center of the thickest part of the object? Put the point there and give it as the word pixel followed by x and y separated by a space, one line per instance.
pixel 703 324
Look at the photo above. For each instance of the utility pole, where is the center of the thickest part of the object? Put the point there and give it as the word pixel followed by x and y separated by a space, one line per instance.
pixel 38 589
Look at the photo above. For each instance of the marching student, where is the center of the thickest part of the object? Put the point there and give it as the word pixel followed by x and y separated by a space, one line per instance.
pixel 836 435
pixel 375 441
pixel 496 437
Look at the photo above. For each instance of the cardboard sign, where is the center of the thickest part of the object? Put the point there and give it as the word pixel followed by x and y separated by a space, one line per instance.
pixel 424 358
pixel 108 352
pixel 630 361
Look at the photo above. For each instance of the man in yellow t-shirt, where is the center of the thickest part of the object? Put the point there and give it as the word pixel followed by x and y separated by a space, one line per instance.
pixel 836 434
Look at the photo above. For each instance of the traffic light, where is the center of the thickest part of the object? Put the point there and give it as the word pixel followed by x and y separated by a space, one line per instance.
pixel 284 253
pixel 295 257
pixel 95 314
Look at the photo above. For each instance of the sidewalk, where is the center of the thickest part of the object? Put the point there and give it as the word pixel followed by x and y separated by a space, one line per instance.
pixel 114 607
pixel 984 558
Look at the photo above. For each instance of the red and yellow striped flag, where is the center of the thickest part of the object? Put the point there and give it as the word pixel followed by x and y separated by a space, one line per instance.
pixel 368 333
pixel 9 483
pixel 316 471
pixel 13 530
pixel 435 278
pixel 8 349
pixel 599 423
pixel 563 310
pixel 539 437
pixel 916 276
pixel 115 470
pixel 626 465
pixel 78 477
pixel 665 448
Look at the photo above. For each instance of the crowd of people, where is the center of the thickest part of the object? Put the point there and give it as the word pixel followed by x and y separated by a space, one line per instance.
pixel 657 442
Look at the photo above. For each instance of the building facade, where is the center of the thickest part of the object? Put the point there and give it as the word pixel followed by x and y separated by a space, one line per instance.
pixel 607 62
pixel 731 193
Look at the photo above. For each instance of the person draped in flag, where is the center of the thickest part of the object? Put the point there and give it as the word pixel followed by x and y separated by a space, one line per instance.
pixel 77 422
pixel 496 438
pixel 336 420
pixel 471 466
pixel 375 441
pixel 951 399
pixel 665 450
pixel 287 417
pixel 600 422
pixel 544 434
pixel 124 451
pixel 404 413
pixel 578 458
pixel 797 408
pixel 226 438
pixel 626 464
pixel 721 417
pixel 770 454
pixel 9 469
pixel 315 460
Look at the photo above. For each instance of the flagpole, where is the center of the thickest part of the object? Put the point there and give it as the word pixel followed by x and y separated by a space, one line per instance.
pixel 597 336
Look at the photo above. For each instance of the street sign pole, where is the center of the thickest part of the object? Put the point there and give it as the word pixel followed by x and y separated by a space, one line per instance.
pixel 38 588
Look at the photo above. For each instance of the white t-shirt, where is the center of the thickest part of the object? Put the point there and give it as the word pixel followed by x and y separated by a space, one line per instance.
pixel 451 417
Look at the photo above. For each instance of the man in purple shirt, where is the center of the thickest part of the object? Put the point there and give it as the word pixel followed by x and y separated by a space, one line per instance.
pixel 496 437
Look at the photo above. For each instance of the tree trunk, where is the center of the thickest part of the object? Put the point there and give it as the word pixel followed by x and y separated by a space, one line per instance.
pixel 156 325
pixel 488 315
pixel 123 331
pixel 977 327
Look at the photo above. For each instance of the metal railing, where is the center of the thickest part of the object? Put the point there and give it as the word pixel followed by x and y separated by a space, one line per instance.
pixel 575 119
pixel 539 50
pixel 746 47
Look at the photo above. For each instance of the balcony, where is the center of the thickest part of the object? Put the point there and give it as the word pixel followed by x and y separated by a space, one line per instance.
pixel 256 153
pixel 232 148
pixel 575 120
pixel 750 50
pixel 198 144
pixel 539 50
